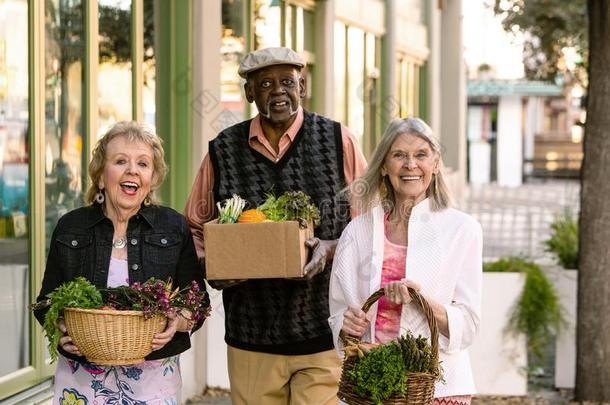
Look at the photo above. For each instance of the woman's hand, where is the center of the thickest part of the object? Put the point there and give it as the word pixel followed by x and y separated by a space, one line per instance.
pixel 397 292
pixel 176 323
pixel 355 322
pixel 65 342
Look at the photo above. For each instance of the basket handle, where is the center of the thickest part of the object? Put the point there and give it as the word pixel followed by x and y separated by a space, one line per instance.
pixel 423 306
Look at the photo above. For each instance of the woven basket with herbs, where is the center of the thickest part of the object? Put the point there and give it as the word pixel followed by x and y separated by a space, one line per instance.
pixel 401 372
pixel 116 326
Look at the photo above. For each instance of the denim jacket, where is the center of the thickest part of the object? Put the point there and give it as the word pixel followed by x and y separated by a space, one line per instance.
pixel 159 244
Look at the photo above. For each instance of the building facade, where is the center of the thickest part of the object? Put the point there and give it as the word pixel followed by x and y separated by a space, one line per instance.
pixel 518 130
pixel 71 68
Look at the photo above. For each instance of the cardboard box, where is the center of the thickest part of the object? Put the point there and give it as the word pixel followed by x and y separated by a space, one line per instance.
pixel 255 250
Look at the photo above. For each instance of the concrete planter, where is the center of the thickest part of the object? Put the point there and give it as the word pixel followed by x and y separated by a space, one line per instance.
pixel 499 358
pixel 566 283
pixel 565 345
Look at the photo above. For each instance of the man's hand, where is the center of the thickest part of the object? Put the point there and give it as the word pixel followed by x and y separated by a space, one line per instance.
pixel 323 253
pixel 222 284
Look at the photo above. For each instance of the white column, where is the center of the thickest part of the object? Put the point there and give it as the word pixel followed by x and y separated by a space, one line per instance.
pixel 434 67
pixel 389 104
pixel 453 94
pixel 529 132
pixel 479 149
pixel 206 107
pixel 510 141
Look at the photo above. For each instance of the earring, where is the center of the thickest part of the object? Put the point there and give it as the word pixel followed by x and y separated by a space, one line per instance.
pixel 99 197
pixel 383 189
pixel 147 201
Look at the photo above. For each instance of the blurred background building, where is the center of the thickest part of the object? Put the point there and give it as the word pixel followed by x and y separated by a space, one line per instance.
pixel 71 68
pixel 518 130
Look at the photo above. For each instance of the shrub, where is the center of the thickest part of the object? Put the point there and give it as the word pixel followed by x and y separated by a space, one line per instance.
pixel 538 312
pixel 563 242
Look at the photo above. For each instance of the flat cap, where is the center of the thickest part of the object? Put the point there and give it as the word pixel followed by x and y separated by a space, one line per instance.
pixel 265 57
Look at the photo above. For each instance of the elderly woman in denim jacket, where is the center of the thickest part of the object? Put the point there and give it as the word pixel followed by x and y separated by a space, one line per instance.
pixel 408 236
pixel 123 237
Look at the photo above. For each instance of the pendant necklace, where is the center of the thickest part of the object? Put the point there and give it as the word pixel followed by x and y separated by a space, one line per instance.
pixel 119 243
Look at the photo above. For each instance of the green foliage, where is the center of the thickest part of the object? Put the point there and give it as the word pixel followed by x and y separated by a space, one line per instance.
pixel 78 293
pixel 291 206
pixel 548 26
pixel 416 353
pixel 538 312
pixel 380 374
pixel 563 242
pixel 383 371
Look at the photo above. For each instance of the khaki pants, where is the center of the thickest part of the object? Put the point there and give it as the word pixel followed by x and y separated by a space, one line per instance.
pixel 275 379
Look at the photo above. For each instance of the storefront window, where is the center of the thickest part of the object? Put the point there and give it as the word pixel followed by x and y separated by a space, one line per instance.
pixel 232 50
pixel 308 34
pixel 408 86
pixel 412 10
pixel 65 171
pixel 114 71
pixel 267 23
pixel 149 65
pixel 339 72
pixel 355 81
pixel 14 190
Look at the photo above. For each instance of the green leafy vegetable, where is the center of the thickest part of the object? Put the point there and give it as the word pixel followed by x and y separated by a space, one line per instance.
pixel 230 210
pixel 380 374
pixel 78 293
pixel 291 206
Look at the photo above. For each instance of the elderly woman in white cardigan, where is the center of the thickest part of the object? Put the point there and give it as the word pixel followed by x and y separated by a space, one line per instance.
pixel 407 236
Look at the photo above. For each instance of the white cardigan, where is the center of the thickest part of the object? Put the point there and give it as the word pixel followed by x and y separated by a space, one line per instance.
pixel 444 256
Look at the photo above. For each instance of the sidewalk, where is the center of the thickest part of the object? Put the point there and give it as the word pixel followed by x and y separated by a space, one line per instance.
pixel 542 398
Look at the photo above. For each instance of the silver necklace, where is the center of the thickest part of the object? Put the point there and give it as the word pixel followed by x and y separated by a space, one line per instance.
pixel 119 243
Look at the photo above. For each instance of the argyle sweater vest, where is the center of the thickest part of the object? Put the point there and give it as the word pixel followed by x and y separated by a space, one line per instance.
pixel 283 316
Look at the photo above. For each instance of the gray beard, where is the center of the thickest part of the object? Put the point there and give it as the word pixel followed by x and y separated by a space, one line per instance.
pixel 268 114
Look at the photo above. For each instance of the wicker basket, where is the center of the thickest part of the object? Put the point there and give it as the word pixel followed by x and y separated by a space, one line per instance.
pixel 110 337
pixel 419 386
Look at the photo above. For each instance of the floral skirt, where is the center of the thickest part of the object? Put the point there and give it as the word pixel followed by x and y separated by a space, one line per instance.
pixel 154 382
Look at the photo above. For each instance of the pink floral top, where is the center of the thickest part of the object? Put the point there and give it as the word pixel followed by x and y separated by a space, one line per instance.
pixel 387 323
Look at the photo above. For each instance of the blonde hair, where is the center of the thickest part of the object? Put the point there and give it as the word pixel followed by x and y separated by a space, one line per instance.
pixel 366 190
pixel 133 132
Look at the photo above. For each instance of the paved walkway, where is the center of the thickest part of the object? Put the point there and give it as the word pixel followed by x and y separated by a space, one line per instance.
pixel 516 220
pixel 543 397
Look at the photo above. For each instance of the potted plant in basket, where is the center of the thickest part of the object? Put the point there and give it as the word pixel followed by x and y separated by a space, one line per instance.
pixel 114 326
pixel 537 313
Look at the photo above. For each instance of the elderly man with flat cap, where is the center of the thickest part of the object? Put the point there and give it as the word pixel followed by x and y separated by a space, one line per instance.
pixel 280 347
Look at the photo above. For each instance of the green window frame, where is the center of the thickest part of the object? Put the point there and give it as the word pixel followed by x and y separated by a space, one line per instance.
pixel 297 31
pixel 369 77
pixel 173 121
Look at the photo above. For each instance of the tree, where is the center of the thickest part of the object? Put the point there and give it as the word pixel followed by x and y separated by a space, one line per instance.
pixel 554 33
pixel 593 327
pixel 558 24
